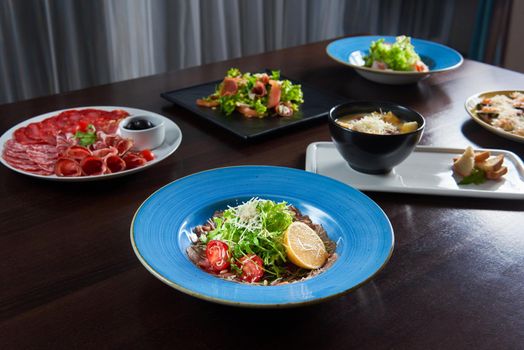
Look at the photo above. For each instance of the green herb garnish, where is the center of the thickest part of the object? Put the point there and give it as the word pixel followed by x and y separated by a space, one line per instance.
pixel 88 137
pixel 477 177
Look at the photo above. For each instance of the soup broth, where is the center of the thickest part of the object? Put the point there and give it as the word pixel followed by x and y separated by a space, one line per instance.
pixel 378 123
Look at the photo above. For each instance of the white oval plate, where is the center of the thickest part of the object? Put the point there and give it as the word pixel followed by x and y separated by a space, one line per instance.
pixel 172 141
pixel 472 101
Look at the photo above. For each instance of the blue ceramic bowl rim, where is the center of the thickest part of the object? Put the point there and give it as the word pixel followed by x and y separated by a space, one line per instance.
pixel 275 302
pixel 378 103
pixel 455 55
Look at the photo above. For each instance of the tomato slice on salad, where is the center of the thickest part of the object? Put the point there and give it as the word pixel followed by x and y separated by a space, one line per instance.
pixel 252 268
pixel 217 252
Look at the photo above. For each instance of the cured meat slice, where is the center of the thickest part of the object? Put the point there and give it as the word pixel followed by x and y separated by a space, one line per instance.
pixel 206 103
pixel 48 132
pixel 13 154
pixel 20 161
pixel 15 146
pixel 115 164
pixel 107 126
pixel 35 158
pixel 43 148
pixel 259 89
pixel 27 166
pixel 64 141
pixel 229 86
pixel 123 145
pixel 134 160
pixel 105 152
pixel 110 140
pixel 93 165
pixel 264 78
pixel 248 112
pixel 32 131
pixel 48 136
pixel 42 159
pixel 22 138
pixel 274 94
pixel 67 167
pixel 77 152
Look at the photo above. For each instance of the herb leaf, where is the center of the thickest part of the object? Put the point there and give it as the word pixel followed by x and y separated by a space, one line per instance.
pixel 477 177
pixel 88 137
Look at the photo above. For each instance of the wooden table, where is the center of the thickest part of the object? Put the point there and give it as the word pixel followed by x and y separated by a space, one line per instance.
pixel 69 278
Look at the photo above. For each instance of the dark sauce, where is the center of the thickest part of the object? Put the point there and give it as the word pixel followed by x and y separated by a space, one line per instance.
pixel 139 124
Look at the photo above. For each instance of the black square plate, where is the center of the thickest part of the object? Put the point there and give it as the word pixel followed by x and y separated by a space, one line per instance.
pixel 316 105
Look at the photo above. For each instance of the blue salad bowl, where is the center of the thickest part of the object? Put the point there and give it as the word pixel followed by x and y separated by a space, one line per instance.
pixel 161 227
pixel 351 52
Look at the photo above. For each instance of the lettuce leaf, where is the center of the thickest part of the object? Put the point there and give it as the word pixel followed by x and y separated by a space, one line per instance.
pixel 260 234
pixel 400 56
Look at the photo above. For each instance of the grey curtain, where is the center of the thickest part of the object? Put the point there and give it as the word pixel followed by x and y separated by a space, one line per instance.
pixel 50 46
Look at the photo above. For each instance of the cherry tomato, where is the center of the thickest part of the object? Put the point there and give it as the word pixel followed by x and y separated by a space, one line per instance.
pixel 147 154
pixel 217 252
pixel 252 268
pixel 82 126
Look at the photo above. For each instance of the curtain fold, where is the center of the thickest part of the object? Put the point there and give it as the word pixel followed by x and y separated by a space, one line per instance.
pixel 51 46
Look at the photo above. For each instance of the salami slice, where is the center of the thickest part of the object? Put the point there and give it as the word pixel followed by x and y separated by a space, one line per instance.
pixel 64 141
pixel 93 165
pixel 25 166
pixel 43 148
pixel 105 152
pixel 15 153
pixel 22 138
pixel 19 161
pixel 41 158
pixel 67 167
pixel 32 131
pixel 134 160
pixel 15 146
pixel 115 164
pixel 14 157
pixel 123 145
pixel 77 152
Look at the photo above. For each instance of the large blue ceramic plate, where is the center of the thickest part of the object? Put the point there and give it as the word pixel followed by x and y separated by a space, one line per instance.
pixel 160 228
pixel 350 51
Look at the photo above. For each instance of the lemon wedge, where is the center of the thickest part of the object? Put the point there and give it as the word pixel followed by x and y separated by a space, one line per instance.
pixel 304 247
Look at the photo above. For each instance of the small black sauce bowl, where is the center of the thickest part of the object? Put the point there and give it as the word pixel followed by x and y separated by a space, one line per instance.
pixel 371 153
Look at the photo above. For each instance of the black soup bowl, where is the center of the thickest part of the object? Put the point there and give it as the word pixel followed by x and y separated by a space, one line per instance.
pixel 373 153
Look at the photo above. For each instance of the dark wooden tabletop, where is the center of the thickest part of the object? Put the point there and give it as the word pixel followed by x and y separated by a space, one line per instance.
pixel 70 279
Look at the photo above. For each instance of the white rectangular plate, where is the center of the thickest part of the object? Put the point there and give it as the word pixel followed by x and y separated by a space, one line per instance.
pixel 426 171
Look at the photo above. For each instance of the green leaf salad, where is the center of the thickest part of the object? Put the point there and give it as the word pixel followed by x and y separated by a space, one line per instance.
pixel 255 95
pixel 255 227
pixel 245 243
pixel 399 56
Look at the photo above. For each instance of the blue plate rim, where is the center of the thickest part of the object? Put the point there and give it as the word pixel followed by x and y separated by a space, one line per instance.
pixel 228 302
pixel 402 73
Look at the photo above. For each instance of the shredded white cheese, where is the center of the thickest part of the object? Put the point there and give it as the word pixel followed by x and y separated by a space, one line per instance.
pixel 371 124
pixel 248 216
